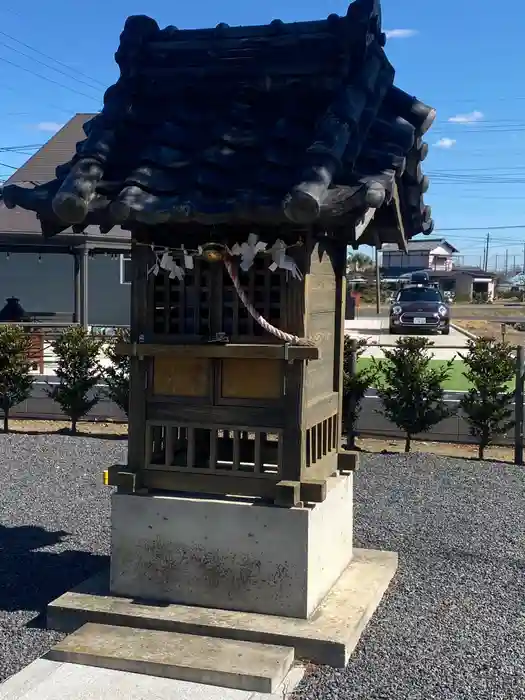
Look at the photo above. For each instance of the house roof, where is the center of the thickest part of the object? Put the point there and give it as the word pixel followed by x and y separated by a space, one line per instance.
pixel 396 272
pixel 474 272
pixel 456 271
pixel 430 245
pixel 19 226
pixel 60 148
pixel 23 224
pixel 427 245
pixel 287 124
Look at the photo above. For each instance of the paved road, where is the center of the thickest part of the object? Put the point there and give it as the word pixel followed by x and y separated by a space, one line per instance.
pixel 376 330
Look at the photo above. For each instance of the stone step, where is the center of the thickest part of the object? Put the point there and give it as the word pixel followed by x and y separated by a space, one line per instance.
pixel 54 680
pixel 222 662
pixel 328 637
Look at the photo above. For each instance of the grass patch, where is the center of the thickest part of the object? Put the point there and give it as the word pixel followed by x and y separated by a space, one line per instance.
pixel 455 382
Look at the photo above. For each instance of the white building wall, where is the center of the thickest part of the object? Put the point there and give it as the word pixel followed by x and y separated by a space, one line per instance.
pixel 399 259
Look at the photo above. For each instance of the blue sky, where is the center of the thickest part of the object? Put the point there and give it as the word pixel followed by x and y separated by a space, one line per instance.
pixel 461 56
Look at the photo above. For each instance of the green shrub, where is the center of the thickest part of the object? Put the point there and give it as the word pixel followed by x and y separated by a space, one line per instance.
pixel 78 373
pixel 15 367
pixel 487 405
pixel 410 389
pixel 117 374
pixel 355 384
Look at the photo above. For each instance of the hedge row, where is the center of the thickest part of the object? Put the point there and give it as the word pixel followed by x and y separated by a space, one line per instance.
pixel 79 371
pixel 408 385
pixel 411 392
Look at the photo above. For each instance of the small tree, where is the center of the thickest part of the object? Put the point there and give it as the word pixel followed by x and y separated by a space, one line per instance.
pixel 78 372
pixel 355 383
pixel 490 366
pixel 359 262
pixel 411 389
pixel 15 367
pixel 117 374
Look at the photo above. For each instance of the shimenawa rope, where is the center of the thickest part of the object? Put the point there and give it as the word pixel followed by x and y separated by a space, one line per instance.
pixel 287 337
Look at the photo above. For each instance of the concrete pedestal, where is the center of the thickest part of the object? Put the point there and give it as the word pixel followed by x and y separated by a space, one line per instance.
pixel 233 555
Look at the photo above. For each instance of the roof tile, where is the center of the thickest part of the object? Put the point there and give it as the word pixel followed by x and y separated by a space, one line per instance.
pixel 283 124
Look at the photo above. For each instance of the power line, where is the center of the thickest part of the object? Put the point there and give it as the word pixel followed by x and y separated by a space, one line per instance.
pixel 474 122
pixel 468 170
pixel 478 197
pixel 45 104
pixel 483 228
pixel 21 150
pixel 23 153
pixel 478 100
pixel 49 80
pixel 50 58
pixel 12 11
pixel 16 148
pixel 472 132
pixel 46 65
pixel 480 127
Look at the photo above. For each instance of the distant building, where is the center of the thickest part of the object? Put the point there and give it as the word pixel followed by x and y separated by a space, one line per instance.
pixel 429 254
pixel 44 274
pixel 434 255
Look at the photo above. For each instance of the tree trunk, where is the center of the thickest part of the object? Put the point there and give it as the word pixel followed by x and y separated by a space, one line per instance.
pixel 483 443
pixel 408 441
pixel 350 436
pixel 73 426
pixel 6 420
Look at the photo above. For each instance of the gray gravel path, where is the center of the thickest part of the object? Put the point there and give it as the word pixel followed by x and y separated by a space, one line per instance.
pixel 54 531
pixel 453 622
pixel 449 627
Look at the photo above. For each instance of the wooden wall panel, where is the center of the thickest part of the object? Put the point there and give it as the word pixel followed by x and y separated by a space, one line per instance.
pixel 181 376
pixel 321 288
pixel 251 379
pixel 320 373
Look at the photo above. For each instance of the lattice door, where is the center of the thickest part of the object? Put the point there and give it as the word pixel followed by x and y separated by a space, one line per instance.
pixel 183 307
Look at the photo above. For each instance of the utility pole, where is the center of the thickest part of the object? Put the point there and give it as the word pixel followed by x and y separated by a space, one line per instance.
pixel 518 403
pixel 486 260
pixel 378 281
pixel 506 262
pixel 523 259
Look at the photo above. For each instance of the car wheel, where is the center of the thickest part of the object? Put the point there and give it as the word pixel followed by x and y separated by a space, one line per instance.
pixel 392 330
pixel 446 331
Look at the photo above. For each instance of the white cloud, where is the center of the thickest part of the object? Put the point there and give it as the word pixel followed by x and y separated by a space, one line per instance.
pixel 400 33
pixel 445 143
pixel 49 126
pixel 470 118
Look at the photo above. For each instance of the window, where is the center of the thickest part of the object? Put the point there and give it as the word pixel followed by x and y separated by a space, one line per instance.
pixel 419 294
pixel 125 269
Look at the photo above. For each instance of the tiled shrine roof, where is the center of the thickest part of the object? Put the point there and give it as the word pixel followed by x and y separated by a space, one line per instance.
pixel 282 124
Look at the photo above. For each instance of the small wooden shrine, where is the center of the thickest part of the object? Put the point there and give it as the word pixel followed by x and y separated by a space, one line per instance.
pixel 220 403
pixel 244 160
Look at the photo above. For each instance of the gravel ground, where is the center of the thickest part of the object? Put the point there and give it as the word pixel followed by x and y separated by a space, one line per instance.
pixel 54 531
pixel 452 624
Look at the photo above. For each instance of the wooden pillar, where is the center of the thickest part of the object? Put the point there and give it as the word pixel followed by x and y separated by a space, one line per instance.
pixel 83 286
pixel 76 287
pixel 140 308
